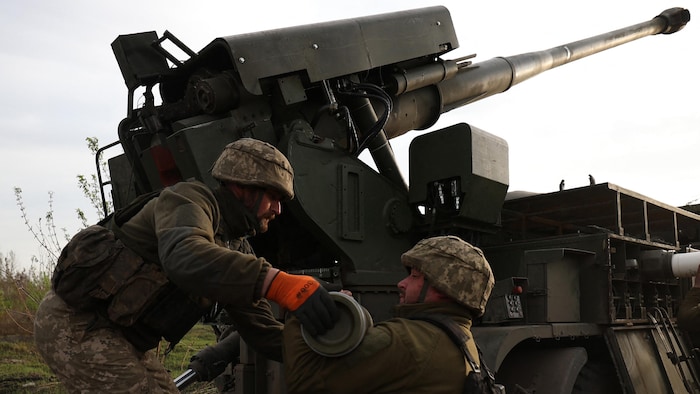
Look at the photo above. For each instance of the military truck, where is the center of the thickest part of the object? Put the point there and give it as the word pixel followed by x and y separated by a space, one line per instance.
pixel 587 278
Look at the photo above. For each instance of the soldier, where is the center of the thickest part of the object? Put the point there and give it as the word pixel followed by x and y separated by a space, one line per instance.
pixel 159 265
pixel 449 280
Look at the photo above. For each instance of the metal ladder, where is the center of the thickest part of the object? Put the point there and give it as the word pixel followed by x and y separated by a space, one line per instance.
pixel 676 349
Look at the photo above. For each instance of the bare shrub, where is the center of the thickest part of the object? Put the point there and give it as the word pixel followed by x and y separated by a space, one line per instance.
pixel 20 294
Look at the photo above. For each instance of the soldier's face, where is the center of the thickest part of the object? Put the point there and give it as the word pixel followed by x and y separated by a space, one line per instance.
pixel 270 207
pixel 410 287
pixel 267 201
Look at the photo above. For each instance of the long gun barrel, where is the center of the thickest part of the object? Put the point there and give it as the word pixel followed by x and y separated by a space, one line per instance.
pixel 358 82
pixel 497 75
pixel 330 90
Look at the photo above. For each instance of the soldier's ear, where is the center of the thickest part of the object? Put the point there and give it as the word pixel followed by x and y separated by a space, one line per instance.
pixel 435 295
pixel 442 296
pixel 235 188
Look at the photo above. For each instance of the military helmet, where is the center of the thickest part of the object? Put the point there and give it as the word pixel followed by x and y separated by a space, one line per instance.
pixel 454 267
pixel 253 162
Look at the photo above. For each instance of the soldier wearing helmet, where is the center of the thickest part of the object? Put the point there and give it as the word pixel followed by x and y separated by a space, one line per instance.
pixel 162 264
pixel 258 175
pixel 454 269
pixel 448 284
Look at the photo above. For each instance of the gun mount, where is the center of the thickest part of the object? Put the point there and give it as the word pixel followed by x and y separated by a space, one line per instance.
pixel 324 93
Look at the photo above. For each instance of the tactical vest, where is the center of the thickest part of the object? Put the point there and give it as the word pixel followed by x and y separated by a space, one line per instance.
pixel 97 271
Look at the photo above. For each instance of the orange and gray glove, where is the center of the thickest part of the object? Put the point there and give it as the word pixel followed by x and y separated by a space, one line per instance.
pixel 304 297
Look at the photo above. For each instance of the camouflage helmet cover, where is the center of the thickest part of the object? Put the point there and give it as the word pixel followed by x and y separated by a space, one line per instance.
pixel 253 162
pixel 454 267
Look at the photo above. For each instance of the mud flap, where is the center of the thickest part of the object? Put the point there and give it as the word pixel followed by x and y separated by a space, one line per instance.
pixel 642 362
pixel 542 371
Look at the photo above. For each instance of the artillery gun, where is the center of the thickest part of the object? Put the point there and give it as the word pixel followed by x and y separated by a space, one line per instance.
pixel 584 293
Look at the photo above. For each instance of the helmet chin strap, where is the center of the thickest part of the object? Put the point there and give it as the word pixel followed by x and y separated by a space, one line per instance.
pixel 423 291
pixel 259 194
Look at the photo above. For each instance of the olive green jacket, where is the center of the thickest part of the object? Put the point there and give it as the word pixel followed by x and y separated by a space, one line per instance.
pixel 207 255
pixel 396 356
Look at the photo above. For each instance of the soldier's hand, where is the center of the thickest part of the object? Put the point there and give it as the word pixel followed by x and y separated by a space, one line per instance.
pixel 211 361
pixel 304 297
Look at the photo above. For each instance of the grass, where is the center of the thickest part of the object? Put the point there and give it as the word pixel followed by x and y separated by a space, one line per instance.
pixel 176 362
pixel 23 371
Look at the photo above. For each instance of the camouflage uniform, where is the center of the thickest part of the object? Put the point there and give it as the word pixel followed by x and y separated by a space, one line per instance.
pixel 94 360
pixel 404 355
pixel 179 230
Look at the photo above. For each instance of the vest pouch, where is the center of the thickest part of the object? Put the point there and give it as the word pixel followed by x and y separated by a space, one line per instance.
pixel 170 316
pixel 86 275
pixel 174 314
pixel 138 292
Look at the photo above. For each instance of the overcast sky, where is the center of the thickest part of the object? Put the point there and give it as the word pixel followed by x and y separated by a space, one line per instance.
pixel 629 116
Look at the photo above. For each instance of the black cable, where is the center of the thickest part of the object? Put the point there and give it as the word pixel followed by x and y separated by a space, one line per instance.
pixel 370 91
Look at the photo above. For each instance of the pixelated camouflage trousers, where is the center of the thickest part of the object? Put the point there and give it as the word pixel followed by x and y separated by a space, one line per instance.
pixel 94 360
